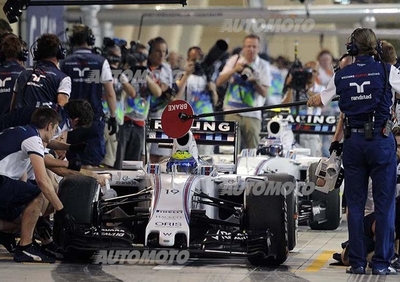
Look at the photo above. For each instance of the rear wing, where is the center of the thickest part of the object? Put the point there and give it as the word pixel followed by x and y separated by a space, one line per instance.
pixel 218 133
pixel 309 124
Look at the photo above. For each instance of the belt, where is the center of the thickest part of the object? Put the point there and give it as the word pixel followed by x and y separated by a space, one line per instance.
pixel 361 130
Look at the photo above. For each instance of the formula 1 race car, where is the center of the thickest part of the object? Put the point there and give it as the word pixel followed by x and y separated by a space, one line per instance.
pixel 321 209
pixel 189 204
pixel 178 204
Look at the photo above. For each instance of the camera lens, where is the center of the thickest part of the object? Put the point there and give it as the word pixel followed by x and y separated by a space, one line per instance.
pixel 244 77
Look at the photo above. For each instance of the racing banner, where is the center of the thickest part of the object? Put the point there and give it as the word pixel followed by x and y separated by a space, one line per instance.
pixel 204 132
pixel 309 124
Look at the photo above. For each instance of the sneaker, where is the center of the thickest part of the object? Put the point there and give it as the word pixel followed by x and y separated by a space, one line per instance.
pixel 386 271
pixel 31 253
pixel 395 263
pixel 52 250
pixel 8 241
pixel 356 270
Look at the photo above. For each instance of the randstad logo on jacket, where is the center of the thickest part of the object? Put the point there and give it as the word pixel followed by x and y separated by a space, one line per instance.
pixel 361 97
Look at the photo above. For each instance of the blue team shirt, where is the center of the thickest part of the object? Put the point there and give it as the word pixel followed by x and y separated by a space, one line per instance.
pixel 9 71
pixel 22 116
pixel 361 89
pixel 42 83
pixel 81 66
pixel 17 143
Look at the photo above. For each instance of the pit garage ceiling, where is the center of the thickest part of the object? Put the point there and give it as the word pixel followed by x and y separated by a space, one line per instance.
pixel 345 15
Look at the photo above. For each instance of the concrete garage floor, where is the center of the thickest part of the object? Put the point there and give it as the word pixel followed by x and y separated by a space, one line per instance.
pixel 310 261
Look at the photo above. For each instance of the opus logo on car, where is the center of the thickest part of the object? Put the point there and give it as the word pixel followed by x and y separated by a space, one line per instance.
pixel 258 188
pixel 145 257
pixel 168 224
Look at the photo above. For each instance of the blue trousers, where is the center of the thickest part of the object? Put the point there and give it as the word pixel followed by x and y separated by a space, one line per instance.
pixel 361 159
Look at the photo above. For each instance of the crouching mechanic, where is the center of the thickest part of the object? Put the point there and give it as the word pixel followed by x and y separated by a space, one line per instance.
pixel 24 147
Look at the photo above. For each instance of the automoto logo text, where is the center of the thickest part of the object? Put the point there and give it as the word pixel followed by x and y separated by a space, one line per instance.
pixel 133 76
pixel 145 257
pixel 258 188
pixel 262 25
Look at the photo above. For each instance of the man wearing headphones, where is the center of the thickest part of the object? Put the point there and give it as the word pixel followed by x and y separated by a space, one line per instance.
pixel 44 82
pixel 161 73
pixel 81 65
pixel 366 97
pixel 12 56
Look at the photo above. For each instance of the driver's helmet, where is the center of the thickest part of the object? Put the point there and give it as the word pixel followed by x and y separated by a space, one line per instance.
pixel 183 161
pixel 273 150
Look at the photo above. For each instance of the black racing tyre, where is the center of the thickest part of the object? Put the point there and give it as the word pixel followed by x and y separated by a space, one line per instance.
pixel 79 195
pixel 292 206
pixel 332 201
pixel 265 213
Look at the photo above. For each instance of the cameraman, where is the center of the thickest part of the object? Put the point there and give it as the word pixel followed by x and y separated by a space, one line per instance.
pixel 293 94
pixel 200 93
pixel 131 136
pixel 249 78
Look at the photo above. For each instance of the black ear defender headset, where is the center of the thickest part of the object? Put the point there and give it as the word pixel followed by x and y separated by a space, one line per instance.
pixel 155 41
pixel 90 38
pixel 42 54
pixel 352 48
pixel 22 54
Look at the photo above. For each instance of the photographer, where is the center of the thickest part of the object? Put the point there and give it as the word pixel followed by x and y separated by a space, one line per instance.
pixel 200 93
pixel 249 79
pixel 131 136
pixel 301 84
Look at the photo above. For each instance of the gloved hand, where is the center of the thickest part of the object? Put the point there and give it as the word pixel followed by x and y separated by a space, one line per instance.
pixel 336 146
pixel 78 147
pixel 74 164
pixel 112 125
pixel 64 221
